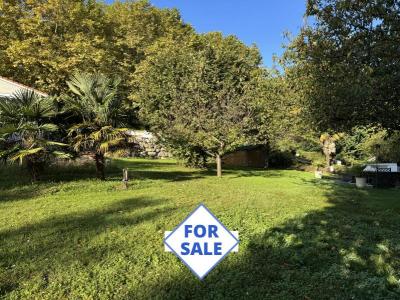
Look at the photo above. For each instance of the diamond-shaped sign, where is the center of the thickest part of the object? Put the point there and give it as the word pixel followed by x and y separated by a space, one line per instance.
pixel 201 241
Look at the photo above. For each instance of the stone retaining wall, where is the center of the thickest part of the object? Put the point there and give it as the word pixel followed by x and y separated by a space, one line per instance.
pixel 147 145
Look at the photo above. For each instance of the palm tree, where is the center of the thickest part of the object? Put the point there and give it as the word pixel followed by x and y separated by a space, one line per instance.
pixel 97 103
pixel 26 130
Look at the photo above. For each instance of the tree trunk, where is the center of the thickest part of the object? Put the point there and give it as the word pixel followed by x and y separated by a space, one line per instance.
pixel 267 150
pixel 328 160
pixel 329 149
pixel 99 158
pixel 219 165
pixel 32 169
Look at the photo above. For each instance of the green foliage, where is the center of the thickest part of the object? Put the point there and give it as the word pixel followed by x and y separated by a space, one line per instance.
pixel 356 170
pixel 26 132
pixel 96 102
pixel 351 147
pixel 203 91
pixel 280 159
pixel 86 137
pixel 43 43
pixel 136 27
pixel 384 146
pixel 281 123
pixel 345 64
pixel 281 119
pixel 191 156
pixel 364 143
pixel 316 158
pixel 306 142
pixel 95 98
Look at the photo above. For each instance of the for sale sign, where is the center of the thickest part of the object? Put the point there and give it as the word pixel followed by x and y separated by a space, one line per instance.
pixel 201 241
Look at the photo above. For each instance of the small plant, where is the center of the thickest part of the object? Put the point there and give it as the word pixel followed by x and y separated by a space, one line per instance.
pixel 318 171
pixel 340 169
pixel 280 159
pixel 320 166
pixel 360 179
pixel 356 170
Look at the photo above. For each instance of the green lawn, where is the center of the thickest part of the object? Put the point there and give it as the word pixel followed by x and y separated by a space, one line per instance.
pixel 79 238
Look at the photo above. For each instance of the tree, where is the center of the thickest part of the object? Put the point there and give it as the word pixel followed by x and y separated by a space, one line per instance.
pixel 282 123
pixel 27 132
pixel 369 144
pixel 203 91
pixel 96 102
pixel 136 26
pixel 346 63
pixel 43 43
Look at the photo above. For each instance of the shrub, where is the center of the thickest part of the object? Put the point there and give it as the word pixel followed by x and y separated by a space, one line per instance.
pixel 356 170
pixel 384 146
pixel 369 142
pixel 316 157
pixel 280 159
pixel 194 157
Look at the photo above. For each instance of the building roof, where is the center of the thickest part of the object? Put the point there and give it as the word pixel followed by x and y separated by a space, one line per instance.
pixel 8 87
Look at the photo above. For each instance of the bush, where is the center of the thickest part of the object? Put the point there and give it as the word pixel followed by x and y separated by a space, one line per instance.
pixel 316 157
pixel 356 170
pixel 341 169
pixel 369 142
pixel 350 147
pixel 194 157
pixel 384 146
pixel 280 159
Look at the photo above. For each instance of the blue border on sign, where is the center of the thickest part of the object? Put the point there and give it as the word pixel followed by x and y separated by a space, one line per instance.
pixel 217 262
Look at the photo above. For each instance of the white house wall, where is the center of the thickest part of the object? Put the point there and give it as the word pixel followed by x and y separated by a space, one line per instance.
pixel 8 87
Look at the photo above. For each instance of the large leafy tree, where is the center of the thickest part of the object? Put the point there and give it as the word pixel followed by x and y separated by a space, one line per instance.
pixel 281 119
pixel 202 92
pixel 346 63
pixel 27 132
pixel 98 106
pixel 43 43
pixel 136 26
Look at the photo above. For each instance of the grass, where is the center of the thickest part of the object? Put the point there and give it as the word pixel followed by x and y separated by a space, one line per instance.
pixel 79 238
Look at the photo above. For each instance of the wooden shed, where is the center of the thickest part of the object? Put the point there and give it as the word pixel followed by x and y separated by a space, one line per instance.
pixel 247 156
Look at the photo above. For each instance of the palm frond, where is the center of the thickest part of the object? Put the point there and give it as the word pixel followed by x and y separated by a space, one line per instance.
pixel 8 152
pixel 95 97
pixel 7 130
pixel 51 143
pixel 26 105
pixel 22 154
pixel 60 154
pixel 111 143
pixel 48 127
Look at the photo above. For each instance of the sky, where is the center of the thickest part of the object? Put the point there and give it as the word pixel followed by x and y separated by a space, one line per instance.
pixel 262 22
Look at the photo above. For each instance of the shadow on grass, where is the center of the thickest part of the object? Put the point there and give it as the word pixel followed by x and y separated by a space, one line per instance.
pixel 169 175
pixel 61 241
pixel 16 184
pixel 349 250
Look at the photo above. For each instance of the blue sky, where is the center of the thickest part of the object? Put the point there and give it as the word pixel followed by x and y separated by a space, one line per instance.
pixel 261 22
